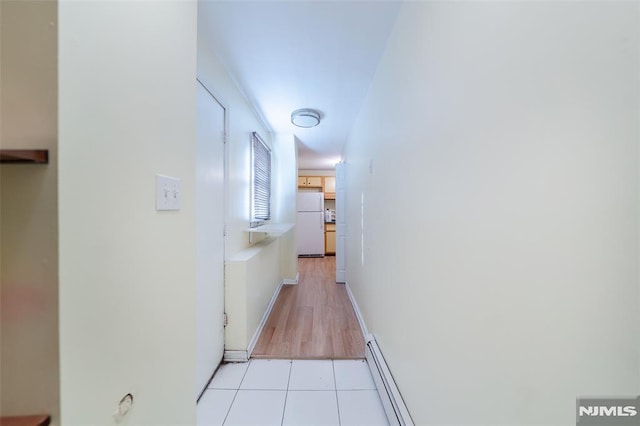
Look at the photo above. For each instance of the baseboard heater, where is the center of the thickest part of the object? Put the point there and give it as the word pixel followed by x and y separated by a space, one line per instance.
pixel 394 406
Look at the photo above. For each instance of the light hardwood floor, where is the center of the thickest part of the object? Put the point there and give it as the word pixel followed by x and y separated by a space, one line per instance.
pixel 313 319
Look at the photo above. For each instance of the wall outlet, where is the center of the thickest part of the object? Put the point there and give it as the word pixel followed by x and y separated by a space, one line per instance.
pixel 167 193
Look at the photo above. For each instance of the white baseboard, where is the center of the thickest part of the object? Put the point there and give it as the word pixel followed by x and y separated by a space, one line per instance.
pixel 394 405
pixel 356 309
pixel 290 281
pixel 263 321
pixel 235 356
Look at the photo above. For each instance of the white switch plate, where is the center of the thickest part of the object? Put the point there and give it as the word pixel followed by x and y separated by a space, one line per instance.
pixel 167 193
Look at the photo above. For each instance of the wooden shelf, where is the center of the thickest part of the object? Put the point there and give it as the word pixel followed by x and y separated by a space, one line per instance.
pixel 24 156
pixel 40 420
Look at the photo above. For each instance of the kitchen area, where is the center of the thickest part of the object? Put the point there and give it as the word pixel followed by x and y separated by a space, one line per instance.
pixel 316 217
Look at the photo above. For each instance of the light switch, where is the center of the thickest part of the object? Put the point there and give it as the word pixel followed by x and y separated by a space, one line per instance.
pixel 167 193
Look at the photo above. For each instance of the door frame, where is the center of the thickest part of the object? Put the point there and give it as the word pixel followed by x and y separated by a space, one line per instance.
pixel 341 223
pixel 225 194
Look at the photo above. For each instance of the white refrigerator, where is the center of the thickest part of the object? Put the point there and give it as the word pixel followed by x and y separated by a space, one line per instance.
pixel 310 224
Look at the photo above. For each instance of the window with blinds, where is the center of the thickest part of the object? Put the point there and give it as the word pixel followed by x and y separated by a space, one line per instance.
pixel 261 180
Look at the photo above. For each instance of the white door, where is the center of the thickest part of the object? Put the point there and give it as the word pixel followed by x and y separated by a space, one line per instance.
pixel 341 223
pixel 210 235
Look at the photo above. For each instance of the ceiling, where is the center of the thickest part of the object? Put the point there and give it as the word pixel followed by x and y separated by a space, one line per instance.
pixel 287 55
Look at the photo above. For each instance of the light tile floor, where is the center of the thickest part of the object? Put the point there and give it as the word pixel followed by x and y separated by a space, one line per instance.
pixel 267 392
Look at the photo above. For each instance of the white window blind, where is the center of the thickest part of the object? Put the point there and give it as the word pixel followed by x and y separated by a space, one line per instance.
pixel 261 184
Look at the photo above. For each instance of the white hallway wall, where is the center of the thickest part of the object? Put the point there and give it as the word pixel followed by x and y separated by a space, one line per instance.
pixel 127 111
pixel 493 208
pixel 243 122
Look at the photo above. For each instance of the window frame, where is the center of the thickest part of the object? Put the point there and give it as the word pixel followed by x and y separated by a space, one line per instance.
pixel 260 150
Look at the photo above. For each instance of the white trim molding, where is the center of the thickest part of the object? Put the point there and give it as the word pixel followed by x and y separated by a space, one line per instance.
pixel 243 356
pixel 263 321
pixel 235 356
pixel 356 309
pixel 288 281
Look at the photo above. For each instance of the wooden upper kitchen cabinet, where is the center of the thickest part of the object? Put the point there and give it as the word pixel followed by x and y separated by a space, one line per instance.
pixel 325 183
pixel 330 188
pixel 310 181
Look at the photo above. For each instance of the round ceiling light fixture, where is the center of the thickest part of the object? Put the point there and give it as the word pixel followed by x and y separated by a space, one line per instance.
pixel 305 117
